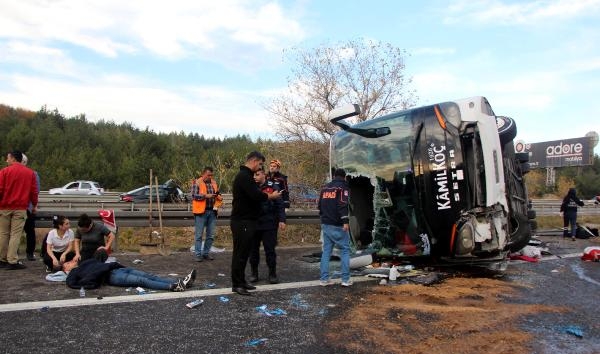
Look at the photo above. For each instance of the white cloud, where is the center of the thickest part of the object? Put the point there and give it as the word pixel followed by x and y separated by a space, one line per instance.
pixel 526 12
pixel 211 111
pixel 172 30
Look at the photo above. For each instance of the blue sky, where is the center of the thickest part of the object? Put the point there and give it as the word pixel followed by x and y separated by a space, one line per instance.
pixel 200 66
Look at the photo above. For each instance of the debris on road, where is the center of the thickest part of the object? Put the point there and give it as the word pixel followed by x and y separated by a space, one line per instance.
pixel 298 302
pixel 256 342
pixel 194 303
pixel 574 330
pixel 265 311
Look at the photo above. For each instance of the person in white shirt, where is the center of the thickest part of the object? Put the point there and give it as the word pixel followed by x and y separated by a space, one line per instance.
pixel 59 244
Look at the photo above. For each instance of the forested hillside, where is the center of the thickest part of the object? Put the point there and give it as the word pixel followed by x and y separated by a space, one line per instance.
pixel 119 156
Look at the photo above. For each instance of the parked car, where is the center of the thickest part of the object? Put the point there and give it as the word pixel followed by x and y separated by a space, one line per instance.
pixel 79 188
pixel 302 195
pixel 169 192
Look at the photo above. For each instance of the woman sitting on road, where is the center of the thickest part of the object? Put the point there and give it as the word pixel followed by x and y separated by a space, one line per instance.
pixel 59 244
pixel 90 236
pixel 92 273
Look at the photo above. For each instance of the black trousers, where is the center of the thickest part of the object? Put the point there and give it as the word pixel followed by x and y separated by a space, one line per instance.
pixel 242 232
pixel 269 241
pixel 48 259
pixel 29 229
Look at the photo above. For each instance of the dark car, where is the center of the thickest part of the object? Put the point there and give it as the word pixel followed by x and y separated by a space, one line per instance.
pixel 169 192
pixel 303 196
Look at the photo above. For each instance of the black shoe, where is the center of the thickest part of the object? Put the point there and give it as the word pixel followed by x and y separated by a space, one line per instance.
pixel 31 257
pixel 273 276
pixel 273 279
pixel 253 274
pixel 15 266
pixel 241 291
pixel 248 286
pixel 3 264
pixel 208 257
pixel 189 279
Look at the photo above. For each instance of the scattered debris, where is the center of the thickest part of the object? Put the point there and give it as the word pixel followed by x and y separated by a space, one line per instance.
pixel 276 312
pixel 45 309
pixel 137 261
pixel 59 276
pixel 574 330
pixel 140 290
pixel 194 303
pixel 256 342
pixel 298 302
pixel 223 299
pixel 211 285
pixel 591 253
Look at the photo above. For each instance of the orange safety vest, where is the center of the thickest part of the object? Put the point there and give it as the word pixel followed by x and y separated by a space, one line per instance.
pixel 199 206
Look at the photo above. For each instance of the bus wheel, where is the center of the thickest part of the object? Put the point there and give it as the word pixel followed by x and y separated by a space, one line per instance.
pixel 507 129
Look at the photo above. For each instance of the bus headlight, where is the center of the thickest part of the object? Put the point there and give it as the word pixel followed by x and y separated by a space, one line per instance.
pixel 466 242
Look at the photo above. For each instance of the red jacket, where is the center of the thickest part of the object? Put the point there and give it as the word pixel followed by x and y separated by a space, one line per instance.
pixel 18 187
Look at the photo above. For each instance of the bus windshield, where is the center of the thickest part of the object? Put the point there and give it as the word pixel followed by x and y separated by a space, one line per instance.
pixel 378 156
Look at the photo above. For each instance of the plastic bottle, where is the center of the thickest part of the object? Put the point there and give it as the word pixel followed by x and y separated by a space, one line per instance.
pixel 393 273
pixel 82 292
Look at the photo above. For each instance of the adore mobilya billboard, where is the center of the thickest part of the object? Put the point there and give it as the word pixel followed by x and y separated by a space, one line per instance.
pixel 558 153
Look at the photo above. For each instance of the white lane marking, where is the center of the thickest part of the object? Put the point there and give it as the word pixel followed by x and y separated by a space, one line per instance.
pixel 581 274
pixel 92 301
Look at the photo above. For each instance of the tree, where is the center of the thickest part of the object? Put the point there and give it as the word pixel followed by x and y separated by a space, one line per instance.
pixel 370 74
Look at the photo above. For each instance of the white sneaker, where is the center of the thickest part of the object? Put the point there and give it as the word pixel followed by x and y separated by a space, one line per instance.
pixel 189 279
pixel 347 283
pixel 178 287
pixel 325 282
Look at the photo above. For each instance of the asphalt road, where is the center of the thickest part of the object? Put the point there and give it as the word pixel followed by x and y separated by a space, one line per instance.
pixel 39 316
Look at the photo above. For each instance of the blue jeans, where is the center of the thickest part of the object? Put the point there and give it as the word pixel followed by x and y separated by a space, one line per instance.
pixel 209 220
pixel 134 277
pixel 335 236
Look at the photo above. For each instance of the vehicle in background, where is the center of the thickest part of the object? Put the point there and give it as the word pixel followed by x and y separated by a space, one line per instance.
pixel 79 188
pixel 441 181
pixel 303 196
pixel 168 192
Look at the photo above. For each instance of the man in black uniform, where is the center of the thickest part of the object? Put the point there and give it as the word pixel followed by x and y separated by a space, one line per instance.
pixel 272 217
pixel 280 180
pixel 247 201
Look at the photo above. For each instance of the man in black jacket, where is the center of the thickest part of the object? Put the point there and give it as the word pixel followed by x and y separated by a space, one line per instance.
pixel 246 206
pixel 333 210
pixel 569 209
pixel 272 218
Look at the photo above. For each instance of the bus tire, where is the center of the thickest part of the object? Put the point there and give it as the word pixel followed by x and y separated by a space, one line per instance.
pixel 507 129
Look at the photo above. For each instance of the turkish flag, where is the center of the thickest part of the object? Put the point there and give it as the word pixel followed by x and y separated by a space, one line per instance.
pixel 108 218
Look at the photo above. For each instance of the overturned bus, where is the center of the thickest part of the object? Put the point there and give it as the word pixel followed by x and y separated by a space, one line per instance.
pixel 441 181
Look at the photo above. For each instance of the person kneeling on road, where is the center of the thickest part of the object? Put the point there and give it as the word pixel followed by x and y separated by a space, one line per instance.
pixel 92 273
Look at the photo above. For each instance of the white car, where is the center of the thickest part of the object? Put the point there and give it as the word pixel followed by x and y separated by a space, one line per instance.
pixel 79 188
